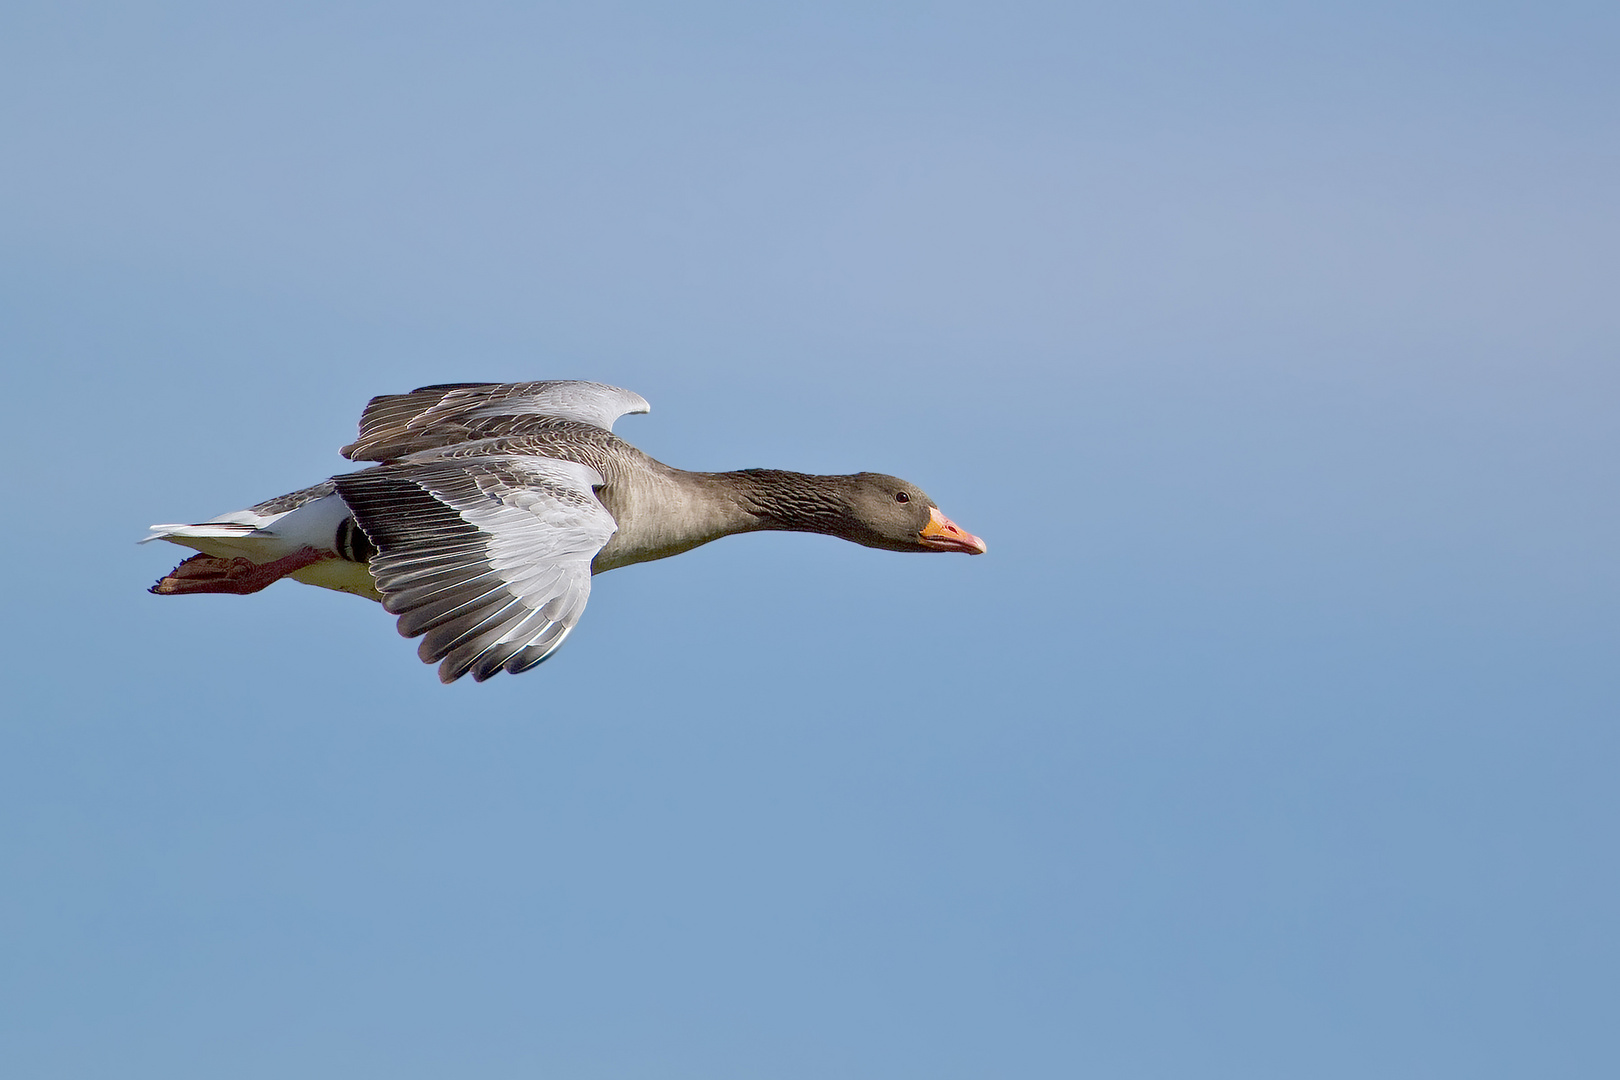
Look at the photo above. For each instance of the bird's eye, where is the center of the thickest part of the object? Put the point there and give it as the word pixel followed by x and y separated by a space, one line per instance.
pixel 901 496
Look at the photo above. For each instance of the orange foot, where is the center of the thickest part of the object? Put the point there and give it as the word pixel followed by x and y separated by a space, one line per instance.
pixel 210 574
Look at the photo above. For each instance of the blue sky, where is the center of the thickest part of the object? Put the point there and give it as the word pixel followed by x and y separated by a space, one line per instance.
pixel 1271 350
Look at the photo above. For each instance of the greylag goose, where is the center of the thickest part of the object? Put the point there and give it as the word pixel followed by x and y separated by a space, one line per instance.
pixel 492 504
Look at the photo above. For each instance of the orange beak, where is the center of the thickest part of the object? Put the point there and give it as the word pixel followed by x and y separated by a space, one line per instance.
pixel 941 534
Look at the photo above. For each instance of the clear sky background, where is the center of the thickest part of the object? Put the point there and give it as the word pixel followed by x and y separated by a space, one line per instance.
pixel 1271 347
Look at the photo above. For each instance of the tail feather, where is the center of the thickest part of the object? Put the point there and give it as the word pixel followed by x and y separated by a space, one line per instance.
pixel 219 529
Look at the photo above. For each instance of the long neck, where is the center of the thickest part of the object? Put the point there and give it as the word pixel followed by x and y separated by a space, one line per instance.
pixel 783 501
pixel 664 511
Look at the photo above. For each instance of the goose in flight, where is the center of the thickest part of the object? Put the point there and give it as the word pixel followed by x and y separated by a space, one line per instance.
pixel 492 504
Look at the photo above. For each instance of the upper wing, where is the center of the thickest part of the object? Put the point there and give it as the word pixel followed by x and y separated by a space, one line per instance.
pixel 489 557
pixel 394 425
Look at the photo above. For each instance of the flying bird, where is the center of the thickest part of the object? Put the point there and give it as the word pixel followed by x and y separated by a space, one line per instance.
pixel 492 504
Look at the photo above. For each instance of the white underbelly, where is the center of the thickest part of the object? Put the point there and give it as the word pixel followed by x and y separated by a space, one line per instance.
pixel 340 574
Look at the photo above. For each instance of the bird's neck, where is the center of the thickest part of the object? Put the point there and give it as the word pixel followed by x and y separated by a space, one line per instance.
pixel 666 511
pixel 782 501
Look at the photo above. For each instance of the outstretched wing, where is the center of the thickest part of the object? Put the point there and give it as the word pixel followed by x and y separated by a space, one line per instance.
pixel 488 557
pixel 394 425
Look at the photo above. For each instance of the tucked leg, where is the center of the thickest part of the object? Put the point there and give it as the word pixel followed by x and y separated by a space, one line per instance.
pixel 210 574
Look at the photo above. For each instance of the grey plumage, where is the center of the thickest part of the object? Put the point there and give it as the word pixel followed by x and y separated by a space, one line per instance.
pixel 493 505
pixel 291 501
pixel 395 425
pixel 488 556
